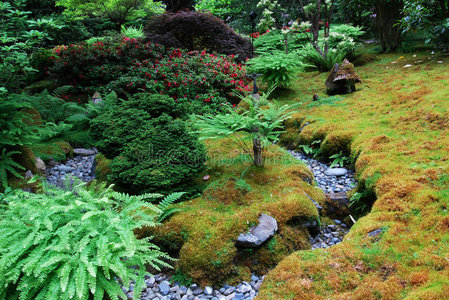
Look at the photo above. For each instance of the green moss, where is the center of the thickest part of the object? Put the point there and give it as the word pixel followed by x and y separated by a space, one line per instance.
pixel 395 130
pixel 58 151
pixel 102 167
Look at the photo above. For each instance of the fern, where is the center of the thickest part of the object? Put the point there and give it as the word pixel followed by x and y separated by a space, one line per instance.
pixel 166 206
pixel 8 165
pixel 74 244
pixel 276 68
pixel 61 91
pixel 313 58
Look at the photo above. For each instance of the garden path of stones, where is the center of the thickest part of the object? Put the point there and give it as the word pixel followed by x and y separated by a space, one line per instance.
pixel 160 287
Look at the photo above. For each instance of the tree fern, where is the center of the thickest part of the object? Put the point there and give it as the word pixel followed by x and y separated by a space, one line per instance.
pixel 262 121
pixel 74 244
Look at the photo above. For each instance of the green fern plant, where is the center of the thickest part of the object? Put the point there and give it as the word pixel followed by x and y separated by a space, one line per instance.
pixel 61 91
pixel 75 244
pixel 312 58
pixel 166 206
pixel 8 165
pixel 277 69
pixel 133 32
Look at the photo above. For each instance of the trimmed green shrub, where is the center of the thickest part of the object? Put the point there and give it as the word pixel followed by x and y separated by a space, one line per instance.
pixel 149 144
pixel 74 244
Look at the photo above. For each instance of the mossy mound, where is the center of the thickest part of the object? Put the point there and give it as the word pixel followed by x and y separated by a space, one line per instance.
pixel 203 235
pixel 102 169
pixel 396 129
pixel 56 150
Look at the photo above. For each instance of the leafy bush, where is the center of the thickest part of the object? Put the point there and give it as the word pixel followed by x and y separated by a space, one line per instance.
pixel 133 32
pixel 277 69
pixel 150 149
pixel 74 244
pixel 20 36
pixel 273 41
pixel 197 31
pixel 198 79
pixel 314 59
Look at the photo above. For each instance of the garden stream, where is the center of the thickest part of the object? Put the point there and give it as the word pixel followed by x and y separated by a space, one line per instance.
pixel 160 286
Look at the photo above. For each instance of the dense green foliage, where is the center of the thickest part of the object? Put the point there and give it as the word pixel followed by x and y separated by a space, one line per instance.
pixel 72 244
pixel 20 35
pixel 151 147
pixel 276 69
pixel 263 121
pixel 430 16
pixel 118 12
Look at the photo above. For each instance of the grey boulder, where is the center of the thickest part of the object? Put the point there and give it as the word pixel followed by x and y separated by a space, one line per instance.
pixel 84 152
pixel 336 172
pixel 257 235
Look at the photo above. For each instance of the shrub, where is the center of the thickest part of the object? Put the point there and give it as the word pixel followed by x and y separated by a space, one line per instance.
pixel 274 41
pixel 314 59
pixel 150 149
pixel 277 69
pixel 197 31
pixel 74 244
pixel 133 32
pixel 203 81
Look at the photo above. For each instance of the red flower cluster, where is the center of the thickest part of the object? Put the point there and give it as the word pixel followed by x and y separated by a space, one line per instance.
pixel 132 66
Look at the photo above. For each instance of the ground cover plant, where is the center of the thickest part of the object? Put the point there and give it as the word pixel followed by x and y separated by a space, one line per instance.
pixel 396 132
pixel 74 244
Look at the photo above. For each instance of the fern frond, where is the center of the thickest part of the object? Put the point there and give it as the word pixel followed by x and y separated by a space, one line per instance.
pixel 61 91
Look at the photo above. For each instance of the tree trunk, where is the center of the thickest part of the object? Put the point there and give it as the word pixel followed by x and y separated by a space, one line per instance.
pixel 257 150
pixel 388 15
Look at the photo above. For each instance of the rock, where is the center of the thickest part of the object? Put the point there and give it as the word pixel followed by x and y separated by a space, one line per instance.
pixel 258 234
pixel 208 290
pixel 336 205
pixel 336 172
pixel 40 165
pixel 342 79
pixel 164 287
pixel 375 233
pixel 83 152
pixel 64 169
pixel 29 174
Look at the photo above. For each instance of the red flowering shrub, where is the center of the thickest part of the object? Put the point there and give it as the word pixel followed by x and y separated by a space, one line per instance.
pixel 202 79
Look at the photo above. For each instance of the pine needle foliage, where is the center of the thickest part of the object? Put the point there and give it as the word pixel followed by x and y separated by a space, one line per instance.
pixel 75 244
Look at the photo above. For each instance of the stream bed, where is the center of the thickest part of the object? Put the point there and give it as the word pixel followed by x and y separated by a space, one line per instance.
pixel 160 287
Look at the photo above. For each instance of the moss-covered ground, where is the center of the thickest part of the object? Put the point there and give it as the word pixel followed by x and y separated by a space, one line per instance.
pixel 203 235
pixel 395 129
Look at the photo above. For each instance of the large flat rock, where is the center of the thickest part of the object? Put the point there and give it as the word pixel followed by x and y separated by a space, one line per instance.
pixel 257 235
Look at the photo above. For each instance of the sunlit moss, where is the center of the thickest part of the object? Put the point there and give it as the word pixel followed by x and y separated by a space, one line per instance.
pixel 395 128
